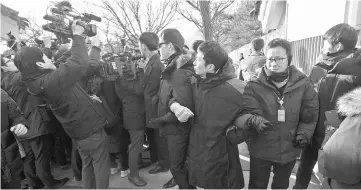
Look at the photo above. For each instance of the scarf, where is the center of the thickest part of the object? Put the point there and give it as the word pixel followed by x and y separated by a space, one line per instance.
pixel 276 77
pixel 329 60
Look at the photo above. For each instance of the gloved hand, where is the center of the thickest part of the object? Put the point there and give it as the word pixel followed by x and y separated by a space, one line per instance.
pixel 181 112
pixel 259 124
pixel 237 135
pixel 19 129
pixel 300 141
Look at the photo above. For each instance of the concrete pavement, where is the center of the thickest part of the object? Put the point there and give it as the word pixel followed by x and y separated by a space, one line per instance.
pixel 156 181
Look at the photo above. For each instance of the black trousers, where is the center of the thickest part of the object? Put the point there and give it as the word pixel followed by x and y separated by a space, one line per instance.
pixel 162 149
pixel 76 163
pixel 36 162
pixel 178 152
pixel 309 158
pixel 62 147
pixel 260 172
pixel 135 148
pixel 94 153
pixel 151 138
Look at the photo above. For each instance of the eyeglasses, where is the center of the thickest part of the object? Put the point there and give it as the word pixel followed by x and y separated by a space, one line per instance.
pixel 160 44
pixel 278 60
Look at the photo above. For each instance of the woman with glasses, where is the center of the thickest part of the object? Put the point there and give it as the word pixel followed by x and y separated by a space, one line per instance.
pixel 284 96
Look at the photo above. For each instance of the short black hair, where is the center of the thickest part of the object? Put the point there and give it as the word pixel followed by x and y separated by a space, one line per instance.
pixel 342 33
pixel 279 42
pixel 196 44
pixel 257 44
pixel 213 54
pixel 172 35
pixel 150 39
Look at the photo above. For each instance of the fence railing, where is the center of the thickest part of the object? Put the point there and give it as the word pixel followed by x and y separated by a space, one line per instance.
pixel 305 52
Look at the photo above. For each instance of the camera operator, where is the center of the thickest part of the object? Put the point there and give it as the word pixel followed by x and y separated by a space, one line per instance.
pixel 71 105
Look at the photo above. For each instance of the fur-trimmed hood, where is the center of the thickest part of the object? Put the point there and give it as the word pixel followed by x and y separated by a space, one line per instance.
pixel 350 103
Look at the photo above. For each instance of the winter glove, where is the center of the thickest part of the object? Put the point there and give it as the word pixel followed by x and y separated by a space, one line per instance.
pixel 300 141
pixel 19 129
pixel 259 124
pixel 181 112
pixel 237 135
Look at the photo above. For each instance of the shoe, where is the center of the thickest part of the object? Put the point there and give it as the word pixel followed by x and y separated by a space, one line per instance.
pixel 171 183
pixel 58 184
pixel 24 184
pixel 157 169
pixel 113 171
pixel 124 173
pixel 137 181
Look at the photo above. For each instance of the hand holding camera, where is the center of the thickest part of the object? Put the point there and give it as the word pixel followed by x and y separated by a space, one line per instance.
pixel 77 29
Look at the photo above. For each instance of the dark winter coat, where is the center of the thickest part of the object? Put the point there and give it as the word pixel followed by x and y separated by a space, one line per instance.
pixel 33 107
pixel 301 108
pixel 133 106
pixel 176 85
pixel 147 85
pixel 11 163
pixel 333 76
pixel 213 161
pixel 340 157
pixel 68 101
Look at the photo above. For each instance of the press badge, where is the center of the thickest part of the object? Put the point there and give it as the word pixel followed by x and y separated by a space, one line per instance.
pixel 281 111
pixel 282 115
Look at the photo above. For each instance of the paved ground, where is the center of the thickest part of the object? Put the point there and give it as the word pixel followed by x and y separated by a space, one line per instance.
pixel 156 181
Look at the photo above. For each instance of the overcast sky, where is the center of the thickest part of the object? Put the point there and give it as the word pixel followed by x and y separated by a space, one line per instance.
pixel 37 9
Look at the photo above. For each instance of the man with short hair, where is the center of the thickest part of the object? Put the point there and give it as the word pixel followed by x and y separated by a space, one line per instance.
pixel 80 118
pixel 336 72
pixel 251 66
pixel 175 84
pixel 145 87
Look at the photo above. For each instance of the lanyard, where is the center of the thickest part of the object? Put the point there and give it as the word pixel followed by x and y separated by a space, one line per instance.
pixel 280 100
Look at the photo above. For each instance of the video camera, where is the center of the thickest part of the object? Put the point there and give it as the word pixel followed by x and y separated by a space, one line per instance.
pixel 124 65
pixel 12 43
pixel 61 25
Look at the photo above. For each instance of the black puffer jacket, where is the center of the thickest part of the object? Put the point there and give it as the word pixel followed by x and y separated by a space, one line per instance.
pixel 11 164
pixel 333 76
pixel 70 104
pixel 176 85
pixel 213 160
pixel 32 106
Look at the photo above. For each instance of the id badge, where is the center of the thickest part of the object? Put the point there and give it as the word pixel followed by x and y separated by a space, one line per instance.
pixel 281 115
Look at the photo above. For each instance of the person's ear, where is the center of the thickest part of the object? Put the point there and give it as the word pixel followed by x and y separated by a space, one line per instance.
pixel 339 47
pixel 211 68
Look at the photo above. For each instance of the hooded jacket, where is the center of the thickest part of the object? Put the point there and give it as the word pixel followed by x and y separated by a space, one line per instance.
pixel 333 76
pixel 11 163
pixel 214 161
pixel 341 155
pixel 301 108
pixel 33 107
pixel 70 104
pixel 175 84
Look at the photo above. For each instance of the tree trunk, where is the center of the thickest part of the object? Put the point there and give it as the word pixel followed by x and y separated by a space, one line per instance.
pixel 206 19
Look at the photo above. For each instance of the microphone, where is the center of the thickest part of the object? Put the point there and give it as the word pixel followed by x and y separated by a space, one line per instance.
pixel 92 17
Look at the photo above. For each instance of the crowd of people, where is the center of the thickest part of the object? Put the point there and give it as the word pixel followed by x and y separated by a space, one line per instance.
pixel 188 108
